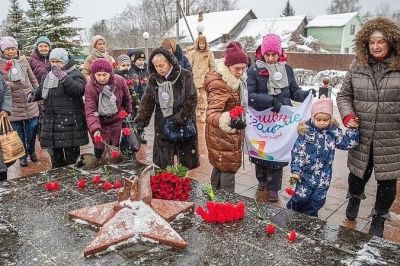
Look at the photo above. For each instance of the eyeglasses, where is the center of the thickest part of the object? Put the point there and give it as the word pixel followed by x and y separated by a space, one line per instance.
pixel 240 69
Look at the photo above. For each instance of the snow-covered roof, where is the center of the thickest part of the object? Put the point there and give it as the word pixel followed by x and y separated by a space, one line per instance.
pixel 335 20
pixel 283 26
pixel 216 24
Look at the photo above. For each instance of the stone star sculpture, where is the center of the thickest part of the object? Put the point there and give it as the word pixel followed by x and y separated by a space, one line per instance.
pixel 135 215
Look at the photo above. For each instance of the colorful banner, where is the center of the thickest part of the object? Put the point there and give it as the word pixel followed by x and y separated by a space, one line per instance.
pixel 271 136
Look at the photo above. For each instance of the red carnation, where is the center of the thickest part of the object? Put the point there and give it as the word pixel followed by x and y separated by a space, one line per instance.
pixel 48 186
pixel 290 191
pixel 98 139
pixel 126 131
pixel 236 112
pixel 96 179
pixel 115 154
pixel 81 183
pixel 270 229
pixel 8 66
pixel 129 82
pixel 291 237
pixel 218 212
pixel 107 185
pixel 122 114
pixel 117 184
pixel 56 185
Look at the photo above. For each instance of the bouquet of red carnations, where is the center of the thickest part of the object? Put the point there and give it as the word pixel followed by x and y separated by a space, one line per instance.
pixel 221 212
pixel 170 185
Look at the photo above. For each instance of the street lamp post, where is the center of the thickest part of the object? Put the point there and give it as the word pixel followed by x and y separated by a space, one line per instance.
pixel 146 47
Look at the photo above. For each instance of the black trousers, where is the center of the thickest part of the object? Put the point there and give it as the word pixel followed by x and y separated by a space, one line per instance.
pixel 270 176
pixel 386 191
pixel 61 157
pixel 3 175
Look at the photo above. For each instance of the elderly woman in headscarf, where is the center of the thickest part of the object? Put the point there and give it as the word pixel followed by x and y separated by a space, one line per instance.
pixel 370 98
pixel 226 90
pixel 171 94
pixel 98 49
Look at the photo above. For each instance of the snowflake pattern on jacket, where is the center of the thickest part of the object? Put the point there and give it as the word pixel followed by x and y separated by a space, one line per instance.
pixel 312 159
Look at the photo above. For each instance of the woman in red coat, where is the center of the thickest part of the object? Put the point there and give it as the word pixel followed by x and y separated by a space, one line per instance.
pixel 106 95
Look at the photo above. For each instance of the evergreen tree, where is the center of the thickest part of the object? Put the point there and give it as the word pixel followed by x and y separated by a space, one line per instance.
pixel 288 10
pixel 57 25
pixel 15 22
pixel 34 26
pixel 343 6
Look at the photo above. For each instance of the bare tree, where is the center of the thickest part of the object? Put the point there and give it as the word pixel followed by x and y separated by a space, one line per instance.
pixel 384 10
pixel 343 6
pixel 153 16
pixel 213 5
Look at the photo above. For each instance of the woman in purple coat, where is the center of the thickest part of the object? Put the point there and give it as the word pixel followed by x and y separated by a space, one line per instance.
pixel 102 112
pixel 39 59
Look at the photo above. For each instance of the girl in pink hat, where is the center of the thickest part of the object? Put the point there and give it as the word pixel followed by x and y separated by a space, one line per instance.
pixel 312 157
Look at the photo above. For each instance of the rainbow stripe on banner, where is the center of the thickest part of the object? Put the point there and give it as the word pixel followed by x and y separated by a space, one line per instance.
pixel 271 136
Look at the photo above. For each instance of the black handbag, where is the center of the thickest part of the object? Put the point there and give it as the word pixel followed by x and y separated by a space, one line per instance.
pixel 131 143
pixel 174 132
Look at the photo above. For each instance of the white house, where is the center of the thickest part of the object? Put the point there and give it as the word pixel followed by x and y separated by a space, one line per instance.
pixel 219 27
pixel 286 27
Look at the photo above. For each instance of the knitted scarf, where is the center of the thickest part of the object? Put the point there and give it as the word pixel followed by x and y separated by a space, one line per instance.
pixel 278 78
pixel 52 81
pixel 107 102
pixel 16 73
pixel 166 95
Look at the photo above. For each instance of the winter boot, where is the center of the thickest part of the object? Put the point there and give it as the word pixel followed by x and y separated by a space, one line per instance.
pixel 377 225
pixel 352 208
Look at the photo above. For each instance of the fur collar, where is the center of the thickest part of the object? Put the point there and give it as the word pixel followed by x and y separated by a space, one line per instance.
pixel 389 29
pixel 227 76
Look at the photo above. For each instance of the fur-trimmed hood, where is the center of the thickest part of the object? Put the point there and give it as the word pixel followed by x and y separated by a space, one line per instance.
pixel 196 46
pixel 391 32
pixel 176 69
pixel 222 72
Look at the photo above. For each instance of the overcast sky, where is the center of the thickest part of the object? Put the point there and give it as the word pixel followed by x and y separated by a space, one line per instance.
pixel 90 11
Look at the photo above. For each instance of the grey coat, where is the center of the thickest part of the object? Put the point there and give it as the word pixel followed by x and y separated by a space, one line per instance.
pixel 376 102
pixel 5 103
pixel 371 91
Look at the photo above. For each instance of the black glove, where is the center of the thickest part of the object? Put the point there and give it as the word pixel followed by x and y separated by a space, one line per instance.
pixel 139 126
pixel 30 97
pixel 314 92
pixel 276 104
pixel 237 123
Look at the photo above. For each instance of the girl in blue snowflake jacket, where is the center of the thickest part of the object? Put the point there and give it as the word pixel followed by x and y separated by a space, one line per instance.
pixel 312 157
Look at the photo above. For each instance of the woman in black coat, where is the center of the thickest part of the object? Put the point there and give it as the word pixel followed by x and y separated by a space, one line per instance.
pixel 177 101
pixel 64 125
pixel 261 97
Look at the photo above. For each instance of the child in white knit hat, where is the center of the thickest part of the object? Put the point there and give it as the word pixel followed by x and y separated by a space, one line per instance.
pixel 312 157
